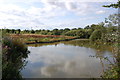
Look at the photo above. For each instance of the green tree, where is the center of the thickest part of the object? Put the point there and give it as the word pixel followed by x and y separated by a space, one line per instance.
pixel 97 34
pixel 87 27
pixel 7 31
pixel 87 33
pixel 71 33
pixel 19 31
pixel 112 20
pixel 13 31
pixel 32 31
pixel 80 33
pixel 56 32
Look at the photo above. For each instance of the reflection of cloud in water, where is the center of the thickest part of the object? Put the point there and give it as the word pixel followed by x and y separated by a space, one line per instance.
pixel 63 61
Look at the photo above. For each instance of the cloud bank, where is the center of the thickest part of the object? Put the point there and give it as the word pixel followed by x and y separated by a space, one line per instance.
pixel 49 14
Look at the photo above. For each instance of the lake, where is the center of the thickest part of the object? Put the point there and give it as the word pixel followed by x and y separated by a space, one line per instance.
pixel 69 59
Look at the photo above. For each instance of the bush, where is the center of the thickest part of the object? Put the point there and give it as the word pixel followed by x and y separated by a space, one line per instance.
pixel 111 37
pixel 71 33
pixel 97 34
pixel 13 55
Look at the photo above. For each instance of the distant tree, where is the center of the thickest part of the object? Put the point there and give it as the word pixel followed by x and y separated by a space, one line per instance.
pixel 32 31
pixel 74 29
pixel 87 33
pixel 61 31
pixel 66 29
pixel 44 32
pixel 80 28
pixel 80 33
pixel 101 24
pixel 7 31
pixel 26 31
pixel 13 31
pixel 19 31
pixel 56 32
pixel 71 33
pixel 87 27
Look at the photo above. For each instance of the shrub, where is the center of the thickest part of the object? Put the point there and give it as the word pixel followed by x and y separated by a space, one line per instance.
pixel 111 37
pixel 13 55
pixel 97 34
pixel 71 33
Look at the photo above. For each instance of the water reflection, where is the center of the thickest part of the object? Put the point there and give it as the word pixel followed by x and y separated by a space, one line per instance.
pixel 66 59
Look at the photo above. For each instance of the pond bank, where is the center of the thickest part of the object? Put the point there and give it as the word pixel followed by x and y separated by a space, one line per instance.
pixel 36 42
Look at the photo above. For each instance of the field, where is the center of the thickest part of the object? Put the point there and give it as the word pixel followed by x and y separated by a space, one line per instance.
pixel 36 38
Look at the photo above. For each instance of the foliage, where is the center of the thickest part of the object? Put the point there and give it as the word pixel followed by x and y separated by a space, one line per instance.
pixel 113 36
pixel 110 37
pixel 117 5
pixel 71 33
pixel 113 71
pixel 87 33
pixel 112 20
pixel 32 31
pixel 13 55
pixel 96 35
pixel 94 31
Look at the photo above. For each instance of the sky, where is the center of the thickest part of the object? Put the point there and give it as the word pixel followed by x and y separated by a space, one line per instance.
pixel 50 14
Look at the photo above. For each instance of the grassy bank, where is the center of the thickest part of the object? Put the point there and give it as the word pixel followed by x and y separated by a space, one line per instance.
pixel 36 38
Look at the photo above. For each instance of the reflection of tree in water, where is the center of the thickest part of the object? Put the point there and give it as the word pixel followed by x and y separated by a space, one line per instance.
pixel 99 46
pixel 113 71
pixel 14 54
pixel 114 68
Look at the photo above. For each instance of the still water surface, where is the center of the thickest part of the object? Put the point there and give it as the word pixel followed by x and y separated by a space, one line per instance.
pixel 71 59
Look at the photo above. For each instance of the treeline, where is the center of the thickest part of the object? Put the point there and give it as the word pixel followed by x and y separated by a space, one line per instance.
pixel 94 31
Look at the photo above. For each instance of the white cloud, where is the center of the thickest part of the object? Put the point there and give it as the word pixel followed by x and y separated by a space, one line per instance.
pixel 74 6
pixel 100 12
pixel 12 13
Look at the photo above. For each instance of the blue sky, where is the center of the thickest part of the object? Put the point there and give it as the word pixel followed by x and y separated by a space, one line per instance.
pixel 50 14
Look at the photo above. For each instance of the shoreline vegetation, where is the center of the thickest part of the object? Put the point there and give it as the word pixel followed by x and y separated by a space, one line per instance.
pixel 36 38
pixel 53 41
pixel 14 53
